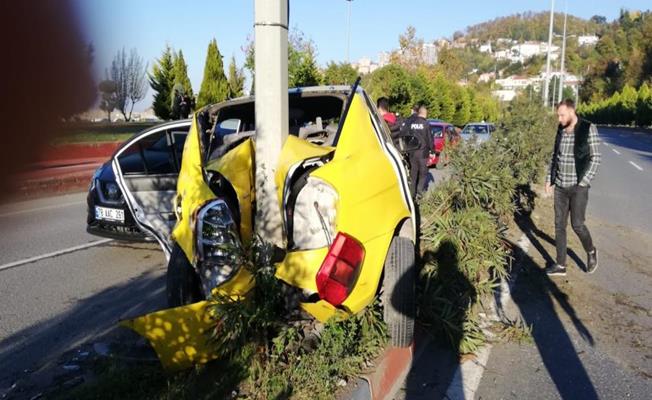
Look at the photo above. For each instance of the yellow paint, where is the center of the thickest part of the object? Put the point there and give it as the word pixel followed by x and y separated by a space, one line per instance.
pixel 178 335
pixel 370 208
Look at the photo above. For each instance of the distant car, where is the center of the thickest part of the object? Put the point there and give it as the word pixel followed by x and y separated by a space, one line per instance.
pixel 108 214
pixel 441 131
pixel 482 130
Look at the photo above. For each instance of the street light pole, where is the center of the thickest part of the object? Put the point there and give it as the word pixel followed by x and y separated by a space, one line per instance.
pixel 563 56
pixel 348 32
pixel 547 79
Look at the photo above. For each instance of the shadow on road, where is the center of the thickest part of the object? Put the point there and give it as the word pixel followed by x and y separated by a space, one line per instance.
pixel 535 296
pixel 43 343
pixel 446 294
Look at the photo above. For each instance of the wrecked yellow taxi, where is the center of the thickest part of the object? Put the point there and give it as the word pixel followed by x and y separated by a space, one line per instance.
pixel 348 215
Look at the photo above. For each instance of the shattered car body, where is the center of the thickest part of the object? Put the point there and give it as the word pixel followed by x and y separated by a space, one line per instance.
pixel 348 217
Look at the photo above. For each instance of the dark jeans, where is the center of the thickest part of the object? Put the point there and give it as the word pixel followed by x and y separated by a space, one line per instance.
pixel 418 171
pixel 573 199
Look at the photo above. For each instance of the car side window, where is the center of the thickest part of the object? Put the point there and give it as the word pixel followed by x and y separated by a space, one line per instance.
pixel 150 155
pixel 178 141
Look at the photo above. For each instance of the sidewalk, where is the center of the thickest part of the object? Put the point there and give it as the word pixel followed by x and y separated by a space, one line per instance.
pixel 61 169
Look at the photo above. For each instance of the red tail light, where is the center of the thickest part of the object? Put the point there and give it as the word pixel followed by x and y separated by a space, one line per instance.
pixel 340 269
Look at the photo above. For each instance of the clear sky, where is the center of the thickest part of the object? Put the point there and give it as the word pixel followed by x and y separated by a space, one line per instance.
pixel 148 25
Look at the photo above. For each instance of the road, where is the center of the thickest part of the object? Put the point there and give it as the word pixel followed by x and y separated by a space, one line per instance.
pixel 591 333
pixel 71 293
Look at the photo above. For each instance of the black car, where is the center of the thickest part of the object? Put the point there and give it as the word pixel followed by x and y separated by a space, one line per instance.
pixel 108 213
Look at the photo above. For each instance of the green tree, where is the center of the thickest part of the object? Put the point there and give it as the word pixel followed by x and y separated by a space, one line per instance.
pixel 161 80
pixel 443 90
pixel 236 80
pixel 462 108
pixel 214 86
pixel 644 106
pixel 339 74
pixel 306 73
pixel 181 86
pixel 391 81
pixel 181 74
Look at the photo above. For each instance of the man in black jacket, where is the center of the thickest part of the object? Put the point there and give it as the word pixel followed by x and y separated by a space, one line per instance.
pixel 417 125
pixel 574 163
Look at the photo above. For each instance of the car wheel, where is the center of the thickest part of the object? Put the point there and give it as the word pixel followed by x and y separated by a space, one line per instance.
pixel 183 286
pixel 399 306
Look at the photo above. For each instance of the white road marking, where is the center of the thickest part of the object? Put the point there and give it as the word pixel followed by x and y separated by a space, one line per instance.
pixel 54 254
pixel 636 166
pixel 13 213
pixel 616 151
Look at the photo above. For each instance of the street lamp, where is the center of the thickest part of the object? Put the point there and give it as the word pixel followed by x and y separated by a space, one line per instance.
pixel 547 80
pixel 348 32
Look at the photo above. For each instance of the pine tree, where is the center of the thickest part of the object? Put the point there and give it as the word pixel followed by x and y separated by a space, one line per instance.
pixel 214 86
pixel 161 81
pixel 236 80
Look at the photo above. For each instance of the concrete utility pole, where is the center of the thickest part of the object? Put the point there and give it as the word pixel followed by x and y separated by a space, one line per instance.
pixel 271 88
pixel 563 57
pixel 547 80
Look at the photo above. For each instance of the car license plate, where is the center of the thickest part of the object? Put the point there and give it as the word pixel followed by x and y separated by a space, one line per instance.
pixel 109 214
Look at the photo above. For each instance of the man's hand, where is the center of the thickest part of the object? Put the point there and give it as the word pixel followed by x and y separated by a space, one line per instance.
pixel 549 188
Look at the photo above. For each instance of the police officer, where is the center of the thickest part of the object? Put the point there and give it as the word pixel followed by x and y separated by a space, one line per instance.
pixel 417 125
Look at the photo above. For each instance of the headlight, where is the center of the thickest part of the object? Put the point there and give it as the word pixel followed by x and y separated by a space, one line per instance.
pixel 314 215
pixel 218 248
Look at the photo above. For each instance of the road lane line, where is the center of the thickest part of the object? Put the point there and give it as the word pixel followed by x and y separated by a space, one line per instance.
pixel 31 210
pixel 636 166
pixel 54 254
pixel 616 151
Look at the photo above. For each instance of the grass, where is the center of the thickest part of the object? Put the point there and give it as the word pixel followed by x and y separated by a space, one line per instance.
pixel 88 132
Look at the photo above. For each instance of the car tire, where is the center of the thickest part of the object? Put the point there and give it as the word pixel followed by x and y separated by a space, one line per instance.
pixel 399 306
pixel 183 286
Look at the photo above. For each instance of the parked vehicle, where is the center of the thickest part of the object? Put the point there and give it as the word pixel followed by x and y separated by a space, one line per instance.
pixel 481 130
pixel 347 213
pixel 107 213
pixel 442 132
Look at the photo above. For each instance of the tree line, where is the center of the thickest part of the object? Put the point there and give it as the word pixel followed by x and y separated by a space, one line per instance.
pixel 627 107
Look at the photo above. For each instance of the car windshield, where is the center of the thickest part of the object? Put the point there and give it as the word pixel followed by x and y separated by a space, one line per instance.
pixel 313 117
pixel 475 129
pixel 437 130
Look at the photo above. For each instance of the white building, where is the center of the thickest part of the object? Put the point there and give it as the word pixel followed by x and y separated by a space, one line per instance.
pixel 487 77
pixel 504 95
pixel 430 53
pixel 516 82
pixel 486 48
pixel 384 58
pixel 365 66
pixel 591 40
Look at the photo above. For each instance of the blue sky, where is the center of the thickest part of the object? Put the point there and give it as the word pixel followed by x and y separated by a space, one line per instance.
pixel 148 25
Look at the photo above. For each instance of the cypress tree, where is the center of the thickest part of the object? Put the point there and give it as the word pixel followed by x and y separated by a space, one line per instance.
pixel 161 81
pixel 236 80
pixel 214 86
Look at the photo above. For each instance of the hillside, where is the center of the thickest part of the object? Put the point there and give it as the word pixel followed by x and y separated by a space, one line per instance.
pixel 532 26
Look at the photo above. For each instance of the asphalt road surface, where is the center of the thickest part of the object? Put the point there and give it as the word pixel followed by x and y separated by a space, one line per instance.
pixel 61 287
pixel 592 334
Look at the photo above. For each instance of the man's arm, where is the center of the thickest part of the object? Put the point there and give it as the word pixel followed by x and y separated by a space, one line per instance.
pixel 594 154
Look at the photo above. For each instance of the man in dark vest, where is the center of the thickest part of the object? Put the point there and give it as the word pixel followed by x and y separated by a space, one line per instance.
pixel 574 163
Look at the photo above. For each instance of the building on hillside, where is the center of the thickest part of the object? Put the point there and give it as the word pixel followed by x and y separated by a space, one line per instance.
pixel 365 66
pixel 487 77
pixel 486 48
pixel 516 82
pixel 504 95
pixel 591 40
pixel 384 58
pixel 430 53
